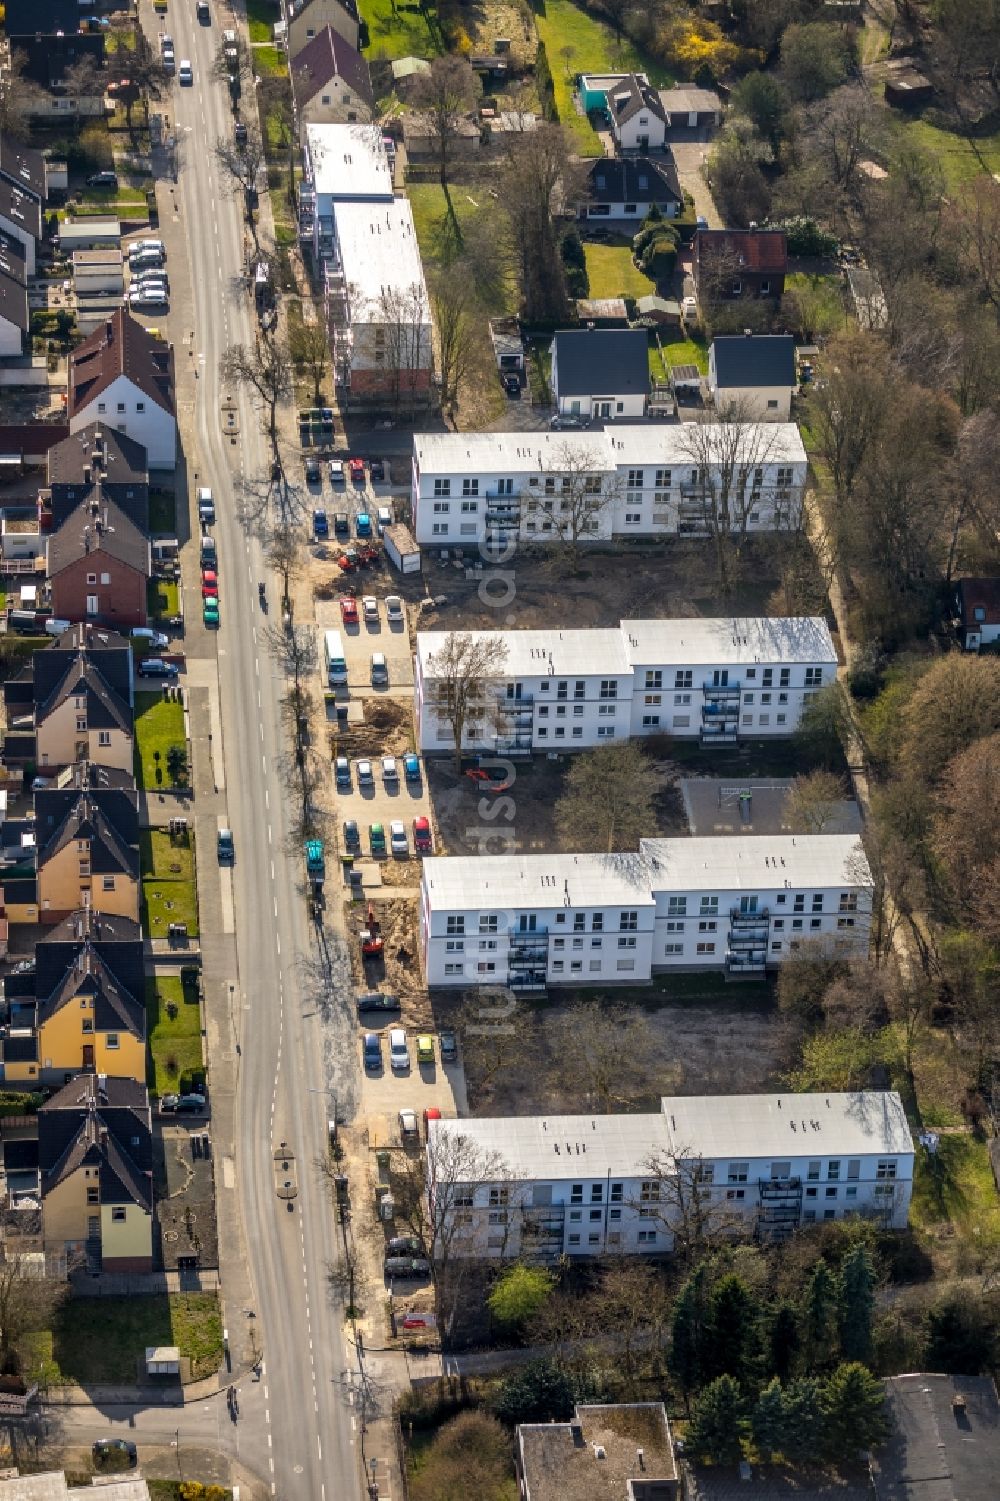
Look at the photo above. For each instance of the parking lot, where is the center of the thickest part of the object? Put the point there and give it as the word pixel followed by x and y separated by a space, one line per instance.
pixel 386 801
pixel 384 1094
pixel 368 636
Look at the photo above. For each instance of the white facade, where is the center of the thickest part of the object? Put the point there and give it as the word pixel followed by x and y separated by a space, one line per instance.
pixel 342 164
pixel 716 680
pixel 470 487
pixel 130 410
pixel 11 225
pixel 739 904
pixel 762 1165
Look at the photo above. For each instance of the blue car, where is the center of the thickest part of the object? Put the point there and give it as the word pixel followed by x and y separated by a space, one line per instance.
pixel 411 767
pixel 321 526
pixel 363 524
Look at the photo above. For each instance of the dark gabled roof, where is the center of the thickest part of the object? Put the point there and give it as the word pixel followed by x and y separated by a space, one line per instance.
pixel 19 164
pixel 936 1452
pixel 630 97
pixel 763 250
pixel 13 301
pixel 121 346
pixel 26 17
pixel 592 361
pixel 296 7
pixel 747 360
pixel 21 208
pixel 106 710
pixel 983 593
pixel 98 529
pixel 98 1120
pixel 107 931
pixel 84 660
pixel 100 451
pixel 325 56
pixel 98 803
pixel 30 439
pixel 13 257
pixel 633 179
pixel 116 1007
pixel 48 56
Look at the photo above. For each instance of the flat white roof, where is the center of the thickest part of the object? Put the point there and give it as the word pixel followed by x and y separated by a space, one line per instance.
pixel 457 883
pixel 564 1146
pixel 661 445
pixel 734 639
pixel 379 254
pixel 348 161
pixel 539 653
pixel 756 862
pixel 789 1125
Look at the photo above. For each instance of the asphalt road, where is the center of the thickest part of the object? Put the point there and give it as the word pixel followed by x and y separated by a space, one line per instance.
pixel 297 1427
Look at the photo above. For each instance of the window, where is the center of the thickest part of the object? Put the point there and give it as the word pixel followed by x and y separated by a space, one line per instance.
pixel 765 291
pixel 121 406
pixel 854 1167
pixel 108 883
pixel 635 479
pixel 815 922
pixel 575 1216
pixel 885 1169
pixel 649 1193
pixel 710 905
pixel 684 678
pixel 498 1217
pixel 673 948
pixel 682 699
pixel 81 724
pixel 576 1193
pixel 738 1172
pixel 456 925
pixel 597 924
pixel 118 1214
pixel 633 518
pixel 682 721
pixel 102 406
pixel 104 737
pixel 609 688
pixel 650 721
pixel 626 943
pixel 442 487
pixel 573 1240
pixel 831 1193
pixel 498 1197
pixel 833 1169
pixel 91 578
pixel 812 1173
pixel 646 1237
pixel 706 948
pixel 453 969
pixel 848 901
pixel 558 965
pixel 470 487
pixel 677 906
pixel 485 967
pixel 780 1171
pixel 736 1193
pixel 596 1215
pixel 92 605
pixel 707 927
pixel 628 922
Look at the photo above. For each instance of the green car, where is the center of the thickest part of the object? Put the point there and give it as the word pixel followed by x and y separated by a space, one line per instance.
pixel 210 613
pixel 376 838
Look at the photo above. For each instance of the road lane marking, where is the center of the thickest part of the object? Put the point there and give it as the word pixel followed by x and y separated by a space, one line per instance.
pixel 319 1448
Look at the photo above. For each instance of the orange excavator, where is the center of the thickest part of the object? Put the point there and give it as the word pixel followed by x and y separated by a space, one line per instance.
pixel 372 942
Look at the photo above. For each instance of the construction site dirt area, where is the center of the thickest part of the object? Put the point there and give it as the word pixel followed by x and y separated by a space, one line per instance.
pixel 532 590
pixel 521 817
pixel 732 1041
pixel 384 728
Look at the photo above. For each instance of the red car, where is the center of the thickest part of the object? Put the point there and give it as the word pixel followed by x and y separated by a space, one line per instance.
pixel 349 610
pixel 209 584
pixel 422 836
pixel 357 468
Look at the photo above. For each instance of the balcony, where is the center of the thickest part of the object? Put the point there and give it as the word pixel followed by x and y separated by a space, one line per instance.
pixel 515 700
pixel 753 962
pixel 722 691
pixel 720 734
pixel 533 982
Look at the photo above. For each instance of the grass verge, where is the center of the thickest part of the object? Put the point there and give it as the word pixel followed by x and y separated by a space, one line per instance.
pixel 260 19
pixel 159 724
pixel 169 888
pixel 173 1026
pixel 956 1187
pixel 396 30
pixel 163 598
pixel 99 1341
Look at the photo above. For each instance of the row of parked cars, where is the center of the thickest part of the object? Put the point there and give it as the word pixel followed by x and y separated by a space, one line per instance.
pixel 149 285
pixel 398 843
pixel 209 562
pixel 394 613
pixel 399 1050
pixel 366 772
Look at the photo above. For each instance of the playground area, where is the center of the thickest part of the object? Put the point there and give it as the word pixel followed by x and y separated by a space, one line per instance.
pixel 752 806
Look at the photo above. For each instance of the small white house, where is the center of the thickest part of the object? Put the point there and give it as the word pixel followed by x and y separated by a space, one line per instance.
pixel 601 372
pixel 753 376
pixel 977 602
pixel 738 904
pixel 628 187
pixel 547 1187
pixel 638 119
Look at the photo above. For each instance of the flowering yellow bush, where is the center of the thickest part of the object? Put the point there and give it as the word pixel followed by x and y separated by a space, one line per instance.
pixel 690 44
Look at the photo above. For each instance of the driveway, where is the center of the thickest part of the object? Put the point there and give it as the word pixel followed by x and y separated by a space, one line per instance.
pixel 689 157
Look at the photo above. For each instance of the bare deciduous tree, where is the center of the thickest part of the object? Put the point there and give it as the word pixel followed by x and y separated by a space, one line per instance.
pixel 241 165
pixel 814 799
pixel 444 94
pixel 310 352
pixel 461 673
pixel 263 370
pixel 539 166
pixel 607 801
pixel 453 301
pixel 574 497
pixel 678 1195
pixel 604 1051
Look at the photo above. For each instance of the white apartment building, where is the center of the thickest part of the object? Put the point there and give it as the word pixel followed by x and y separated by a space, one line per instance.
pixel 645 480
pixel 738 903
pixel 713 679
pixel 543 1187
pixel 341 164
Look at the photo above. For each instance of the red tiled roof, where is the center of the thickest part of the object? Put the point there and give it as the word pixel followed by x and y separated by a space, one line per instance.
pixel 749 249
pixel 982 592
pixel 121 346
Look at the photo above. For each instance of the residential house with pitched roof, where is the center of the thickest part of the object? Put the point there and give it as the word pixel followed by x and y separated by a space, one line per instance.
pixel 331 83
pixel 728 264
pixel 627 187
pixel 977 602
pixel 123 376
pixel 753 376
pixel 95 1159
pixel 74 701
pixel 638 119
pixel 89 996
pixel 598 372
pixel 87 829
pixel 96 459
pixel 305 19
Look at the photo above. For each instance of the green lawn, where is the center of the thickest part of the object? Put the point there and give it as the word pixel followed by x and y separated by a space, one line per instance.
pixel 612 273
pixel 401 30
pixel 267 59
pixel 435 224
pixel 169 887
pixel 952 154
pixel 261 17
pixel 163 598
pixel 825 299
pixel 107 200
pixel 174 1040
pixel 98 1341
pixel 956 1186
pixel 159 724
pixel 678 351
pixel 162 512
pixel 593 49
